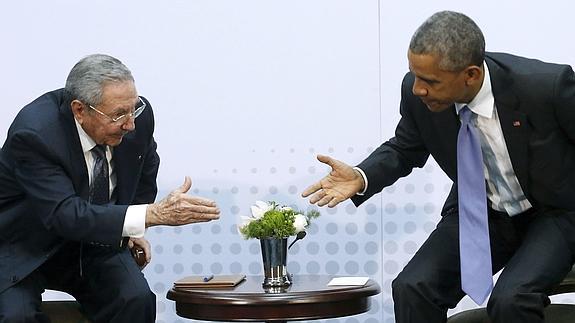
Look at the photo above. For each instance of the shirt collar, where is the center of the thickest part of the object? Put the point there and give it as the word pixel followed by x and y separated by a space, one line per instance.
pixel 483 103
pixel 85 140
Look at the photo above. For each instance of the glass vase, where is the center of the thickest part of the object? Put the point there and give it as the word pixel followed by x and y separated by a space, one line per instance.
pixel 274 256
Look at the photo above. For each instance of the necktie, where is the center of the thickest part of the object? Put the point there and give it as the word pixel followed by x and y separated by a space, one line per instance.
pixel 100 188
pixel 474 248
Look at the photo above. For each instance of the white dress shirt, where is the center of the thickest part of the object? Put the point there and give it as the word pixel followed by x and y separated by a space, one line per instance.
pixel 503 189
pixel 135 219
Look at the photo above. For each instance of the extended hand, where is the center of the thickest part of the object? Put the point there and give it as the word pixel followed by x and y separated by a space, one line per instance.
pixel 340 184
pixel 179 208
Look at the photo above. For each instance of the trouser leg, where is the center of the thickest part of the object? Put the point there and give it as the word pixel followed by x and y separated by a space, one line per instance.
pixel 429 284
pixel 110 286
pixel 543 259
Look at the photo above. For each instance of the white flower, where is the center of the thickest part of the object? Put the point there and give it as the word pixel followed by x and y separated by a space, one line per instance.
pixel 245 220
pixel 286 208
pixel 260 209
pixel 299 222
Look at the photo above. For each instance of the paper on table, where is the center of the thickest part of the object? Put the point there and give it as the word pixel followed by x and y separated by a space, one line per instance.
pixel 348 281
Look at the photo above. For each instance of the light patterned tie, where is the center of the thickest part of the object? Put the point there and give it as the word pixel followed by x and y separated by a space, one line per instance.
pixel 474 248
pixel 100 188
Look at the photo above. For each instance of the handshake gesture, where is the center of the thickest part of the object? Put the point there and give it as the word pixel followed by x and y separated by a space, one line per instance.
pixel 341 183
pixel 179 208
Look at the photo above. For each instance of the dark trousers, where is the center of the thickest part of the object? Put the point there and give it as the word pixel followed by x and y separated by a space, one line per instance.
pixel 536 250
pixel 106 282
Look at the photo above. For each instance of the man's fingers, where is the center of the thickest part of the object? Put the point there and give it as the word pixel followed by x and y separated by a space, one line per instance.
pixel 148 251
pixel 203 211
pixel 202 220
pixel 335 201
pixel 196 200
pixel 316 197
pixel 188 207
pixel 312 189
pixel 325 200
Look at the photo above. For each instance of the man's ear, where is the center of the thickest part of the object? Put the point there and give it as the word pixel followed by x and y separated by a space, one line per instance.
pixel 78 109
pixel 473 75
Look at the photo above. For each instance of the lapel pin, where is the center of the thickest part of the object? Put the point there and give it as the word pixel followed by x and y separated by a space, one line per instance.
pixel 517 123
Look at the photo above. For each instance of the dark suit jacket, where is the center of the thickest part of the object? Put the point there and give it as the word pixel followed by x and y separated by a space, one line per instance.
pixel 536 106
pixel 44 185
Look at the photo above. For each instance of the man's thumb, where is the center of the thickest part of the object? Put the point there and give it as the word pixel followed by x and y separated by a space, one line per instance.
pixel 326 160
pixel 186 186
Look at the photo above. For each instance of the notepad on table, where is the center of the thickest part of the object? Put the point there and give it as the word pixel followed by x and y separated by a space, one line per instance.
pixel 213 282
pixel 348 281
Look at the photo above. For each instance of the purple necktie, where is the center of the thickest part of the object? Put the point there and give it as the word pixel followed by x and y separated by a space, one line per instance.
pixel 474 248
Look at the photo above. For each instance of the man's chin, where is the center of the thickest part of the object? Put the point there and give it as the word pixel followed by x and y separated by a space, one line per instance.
pixel 436 106
pixel 113 142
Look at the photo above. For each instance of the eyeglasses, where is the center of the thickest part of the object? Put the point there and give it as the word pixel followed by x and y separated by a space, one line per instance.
pixel 123 117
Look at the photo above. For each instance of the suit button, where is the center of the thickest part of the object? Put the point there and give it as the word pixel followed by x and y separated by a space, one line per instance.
pixel 14 279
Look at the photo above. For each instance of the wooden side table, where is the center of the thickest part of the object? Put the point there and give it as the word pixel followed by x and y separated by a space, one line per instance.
pixel 308 298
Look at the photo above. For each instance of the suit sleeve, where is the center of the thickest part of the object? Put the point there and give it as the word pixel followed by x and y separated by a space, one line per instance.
pixel 51 195
pixel 147 189
pixel 398 156
pixel 564 101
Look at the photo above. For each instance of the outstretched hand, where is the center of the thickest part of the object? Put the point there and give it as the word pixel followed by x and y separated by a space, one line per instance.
pixel 179 208
pixel 341 183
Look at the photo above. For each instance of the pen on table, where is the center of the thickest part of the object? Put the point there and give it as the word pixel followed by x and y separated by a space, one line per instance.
pixel 208 278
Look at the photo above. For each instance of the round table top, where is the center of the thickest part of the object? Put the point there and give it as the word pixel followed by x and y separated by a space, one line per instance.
pixel 307 298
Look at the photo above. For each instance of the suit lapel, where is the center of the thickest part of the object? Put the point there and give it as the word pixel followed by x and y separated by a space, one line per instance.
pixel 449 123
pixel 126 167
pixel 76 155
pixel 514 123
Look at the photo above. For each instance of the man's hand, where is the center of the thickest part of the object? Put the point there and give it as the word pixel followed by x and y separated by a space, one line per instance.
pixel 137 246
pixel 178 208
pixel 340 184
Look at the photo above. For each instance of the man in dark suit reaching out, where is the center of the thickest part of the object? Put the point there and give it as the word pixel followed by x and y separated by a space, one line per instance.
pixel 77 185
pixel 523 116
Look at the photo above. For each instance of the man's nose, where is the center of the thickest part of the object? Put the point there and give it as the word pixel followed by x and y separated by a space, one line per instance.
pixel 130 124
pixel 419 89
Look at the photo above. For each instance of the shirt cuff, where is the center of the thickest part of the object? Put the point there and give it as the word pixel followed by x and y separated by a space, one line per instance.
pixel 364 180
pixel 135 221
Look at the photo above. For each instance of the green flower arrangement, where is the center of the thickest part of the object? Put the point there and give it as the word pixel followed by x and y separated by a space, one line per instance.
pixel 271 220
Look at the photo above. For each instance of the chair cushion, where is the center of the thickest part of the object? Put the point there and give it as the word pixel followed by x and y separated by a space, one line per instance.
pixel 554 313
pixel 64 311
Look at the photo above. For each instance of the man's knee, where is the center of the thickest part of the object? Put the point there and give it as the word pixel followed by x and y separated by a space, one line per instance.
pixel 507 302
pixel 142 297
pixel 403 286
pixel 127 305
pixel 138 298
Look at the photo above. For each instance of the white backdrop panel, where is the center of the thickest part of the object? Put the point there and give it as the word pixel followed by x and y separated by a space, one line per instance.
pixel 246 93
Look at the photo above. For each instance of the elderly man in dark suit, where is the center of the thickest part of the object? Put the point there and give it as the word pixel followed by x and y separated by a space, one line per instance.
pixel 77 185
pixel 523 116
